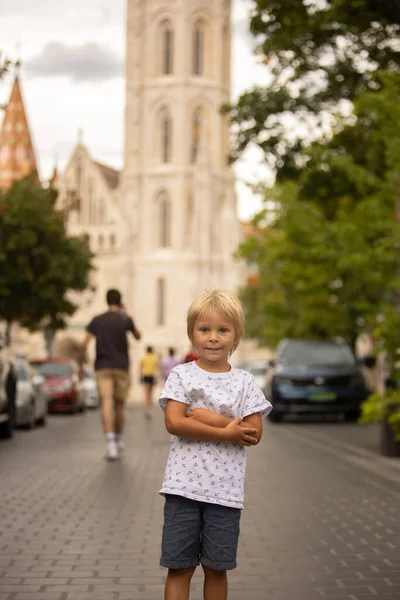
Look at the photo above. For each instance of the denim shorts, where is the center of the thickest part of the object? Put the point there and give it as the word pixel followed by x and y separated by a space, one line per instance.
pixel 198 532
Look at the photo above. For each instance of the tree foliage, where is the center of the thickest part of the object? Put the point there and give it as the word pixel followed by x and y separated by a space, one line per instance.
pixel 39 262
pixel 328 260
pixel 319 53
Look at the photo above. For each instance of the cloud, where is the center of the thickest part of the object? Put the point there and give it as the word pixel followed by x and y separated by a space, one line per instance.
pixel 88 62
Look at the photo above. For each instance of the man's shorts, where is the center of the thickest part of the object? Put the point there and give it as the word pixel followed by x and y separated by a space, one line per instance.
pixel 113 384
pixel 198 532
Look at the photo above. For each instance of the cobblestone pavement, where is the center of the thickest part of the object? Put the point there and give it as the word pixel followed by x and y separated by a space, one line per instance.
pixel 320 520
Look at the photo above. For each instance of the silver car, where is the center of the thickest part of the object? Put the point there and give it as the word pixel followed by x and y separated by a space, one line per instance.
pixel 89 386
pixel 258 368
pixel 31 397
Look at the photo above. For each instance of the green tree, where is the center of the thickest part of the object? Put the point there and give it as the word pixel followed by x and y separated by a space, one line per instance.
pixel 328 254
pixel 319 53
pixel 39 262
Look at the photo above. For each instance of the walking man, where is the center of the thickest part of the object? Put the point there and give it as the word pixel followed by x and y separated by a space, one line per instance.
pixel 112 367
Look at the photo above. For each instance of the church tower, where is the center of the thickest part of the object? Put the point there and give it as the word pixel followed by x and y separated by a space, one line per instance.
pixel 17 155
pixel 177 188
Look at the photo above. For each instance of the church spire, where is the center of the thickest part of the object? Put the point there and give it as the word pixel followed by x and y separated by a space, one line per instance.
pixel 17 155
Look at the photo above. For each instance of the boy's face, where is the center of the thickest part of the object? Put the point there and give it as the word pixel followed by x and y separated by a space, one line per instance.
pixel 214 338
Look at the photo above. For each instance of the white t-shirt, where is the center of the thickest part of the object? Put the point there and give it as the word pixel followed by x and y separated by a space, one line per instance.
pixel 210 471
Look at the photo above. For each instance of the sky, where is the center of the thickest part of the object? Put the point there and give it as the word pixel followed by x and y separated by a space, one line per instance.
pixel 72 79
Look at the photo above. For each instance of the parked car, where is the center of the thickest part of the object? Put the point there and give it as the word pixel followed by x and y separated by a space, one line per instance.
pixel 8 387
pixel 32 396
pixel 258 368
pixel 315 377
pixel 89 384
pixel 64 383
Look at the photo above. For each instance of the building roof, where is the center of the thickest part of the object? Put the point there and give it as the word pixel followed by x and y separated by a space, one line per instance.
pixel 17 155
pixel 110 175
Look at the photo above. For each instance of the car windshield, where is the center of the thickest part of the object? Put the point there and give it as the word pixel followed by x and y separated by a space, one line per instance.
pixel 316 354
pixel 256 370
pixel 52 369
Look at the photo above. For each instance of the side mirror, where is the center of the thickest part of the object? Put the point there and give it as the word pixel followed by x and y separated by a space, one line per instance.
pixel 367 361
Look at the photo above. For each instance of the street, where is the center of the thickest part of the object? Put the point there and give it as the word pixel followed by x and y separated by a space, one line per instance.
pixel 321 516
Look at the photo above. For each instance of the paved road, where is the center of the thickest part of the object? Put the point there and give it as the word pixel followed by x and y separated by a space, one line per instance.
pixel 321 517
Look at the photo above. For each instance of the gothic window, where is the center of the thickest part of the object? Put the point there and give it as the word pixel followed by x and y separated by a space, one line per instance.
pixel 196 135
pixel 112 240
pixel 160 311
pixel 91 215
pixel 101 212
pixel 226 63
pixel 164 220
pixel 167 48
pixel 166 135
pixel 101 241
pixel 198 49
pixel 188 220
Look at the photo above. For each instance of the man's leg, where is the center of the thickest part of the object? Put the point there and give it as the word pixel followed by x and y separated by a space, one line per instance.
pixel 105 387
pixel 106 391
pixel 121 388
pixel 215 584
pixel 177 584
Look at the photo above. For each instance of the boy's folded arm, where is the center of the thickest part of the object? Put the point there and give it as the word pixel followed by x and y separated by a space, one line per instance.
pixel 208 417
pixel 178 424
pixel 255 420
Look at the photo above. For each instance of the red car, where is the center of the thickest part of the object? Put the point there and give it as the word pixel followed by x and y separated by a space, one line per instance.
pixel 66 393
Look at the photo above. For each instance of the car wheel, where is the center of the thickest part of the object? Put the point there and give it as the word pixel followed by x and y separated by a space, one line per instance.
pixel 352 416
pixel 6 428
pixel 275 417
pixel 42 420
pixel 32 421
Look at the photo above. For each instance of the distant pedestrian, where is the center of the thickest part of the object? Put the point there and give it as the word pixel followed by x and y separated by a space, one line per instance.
pixel 112 367
pixel 149 366
pixel 212 411
pixel 168 363
pixel 191 355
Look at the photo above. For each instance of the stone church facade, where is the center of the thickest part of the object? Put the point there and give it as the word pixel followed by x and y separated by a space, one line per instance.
pixel 165 228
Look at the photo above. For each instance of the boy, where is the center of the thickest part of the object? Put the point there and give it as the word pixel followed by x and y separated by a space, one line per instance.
pixel 212 411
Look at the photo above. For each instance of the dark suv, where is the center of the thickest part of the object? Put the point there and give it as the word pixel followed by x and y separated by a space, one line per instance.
pixel 315 377
pixel 8 386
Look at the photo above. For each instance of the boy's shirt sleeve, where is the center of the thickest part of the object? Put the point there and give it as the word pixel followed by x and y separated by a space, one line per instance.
pixel 173 390
pixel 254 400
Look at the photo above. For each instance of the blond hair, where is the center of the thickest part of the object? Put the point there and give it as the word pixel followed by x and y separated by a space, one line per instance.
pixel 224 303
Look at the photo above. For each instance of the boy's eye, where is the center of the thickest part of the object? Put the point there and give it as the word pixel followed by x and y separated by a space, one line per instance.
pixel 224 329
pixel 203 329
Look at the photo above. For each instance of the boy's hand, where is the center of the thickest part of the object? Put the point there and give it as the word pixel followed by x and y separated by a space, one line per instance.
pixel 239 433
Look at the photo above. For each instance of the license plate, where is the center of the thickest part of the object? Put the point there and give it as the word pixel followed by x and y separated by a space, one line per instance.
pixel 322 396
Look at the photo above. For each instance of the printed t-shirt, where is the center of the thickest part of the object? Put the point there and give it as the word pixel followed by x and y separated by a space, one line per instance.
pixel 211 472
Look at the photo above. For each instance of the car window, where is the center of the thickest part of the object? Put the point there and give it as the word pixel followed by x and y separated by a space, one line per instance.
pixel 53 369
pixel 315 354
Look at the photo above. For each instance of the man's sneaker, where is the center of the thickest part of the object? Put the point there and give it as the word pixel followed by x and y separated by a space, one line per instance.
pixel 112 451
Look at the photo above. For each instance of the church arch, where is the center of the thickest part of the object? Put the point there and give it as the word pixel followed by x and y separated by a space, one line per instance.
pixel 165 135
pixel 166 54
pixel 160 301
pixel 163 220
pixel 196 134
pixel 199 45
